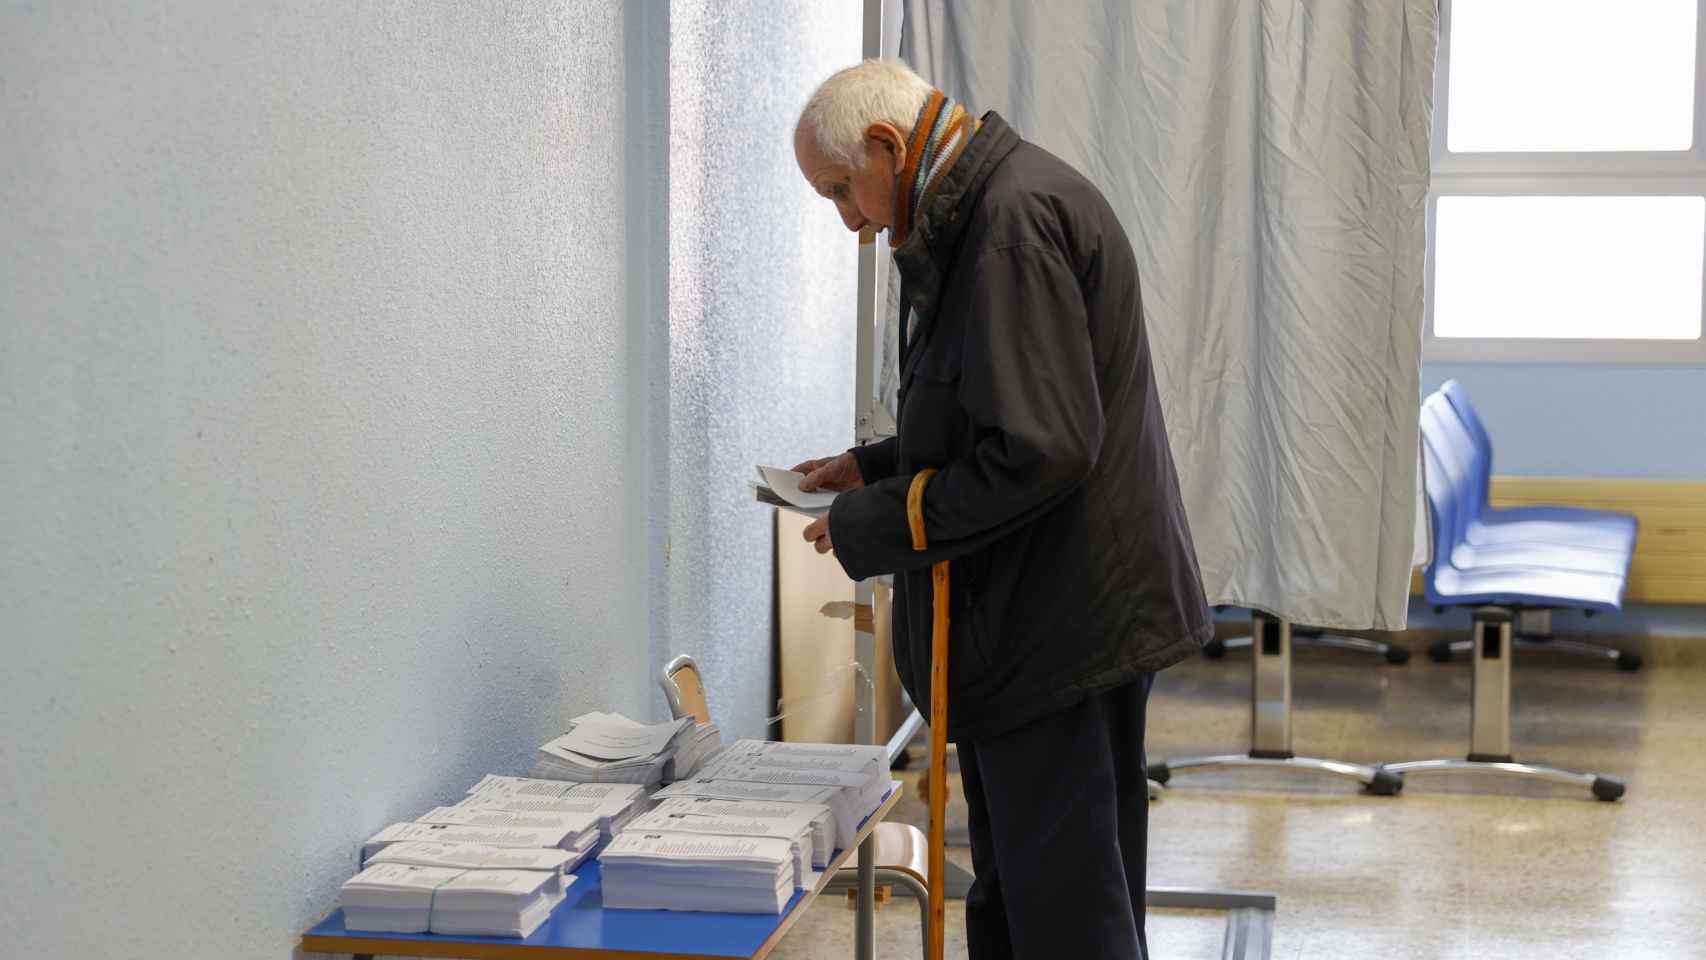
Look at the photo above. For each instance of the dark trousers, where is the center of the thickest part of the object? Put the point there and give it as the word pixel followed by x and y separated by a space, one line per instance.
pixel 1059 822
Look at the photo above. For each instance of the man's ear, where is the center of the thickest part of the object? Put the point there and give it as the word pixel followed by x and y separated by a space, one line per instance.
pixel 886 138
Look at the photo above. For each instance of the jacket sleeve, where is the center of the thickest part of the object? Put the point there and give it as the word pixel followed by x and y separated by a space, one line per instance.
pixel 877 461
pixel 1028 384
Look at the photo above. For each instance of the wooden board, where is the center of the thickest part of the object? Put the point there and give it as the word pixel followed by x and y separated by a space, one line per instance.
pixel 817 693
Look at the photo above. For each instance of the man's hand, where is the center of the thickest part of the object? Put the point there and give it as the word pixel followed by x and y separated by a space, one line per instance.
pixel 836 474
pixel 817 534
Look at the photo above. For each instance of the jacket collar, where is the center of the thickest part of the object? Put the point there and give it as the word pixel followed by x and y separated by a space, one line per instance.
pixel 930 248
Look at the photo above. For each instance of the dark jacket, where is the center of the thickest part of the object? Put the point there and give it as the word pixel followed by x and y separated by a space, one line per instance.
pixel 1027 382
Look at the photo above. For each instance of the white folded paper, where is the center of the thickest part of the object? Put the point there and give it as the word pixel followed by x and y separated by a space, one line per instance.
pixel 608 747
pixel 781 488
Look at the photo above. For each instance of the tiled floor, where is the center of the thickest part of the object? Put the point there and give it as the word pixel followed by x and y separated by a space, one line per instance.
pixel 1454 868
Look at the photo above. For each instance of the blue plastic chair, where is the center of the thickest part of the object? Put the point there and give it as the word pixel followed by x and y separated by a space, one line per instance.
pixel 1535 559
pixel 1522 576
pixel 1598 529
pixel 1560 543
pixel 1498 583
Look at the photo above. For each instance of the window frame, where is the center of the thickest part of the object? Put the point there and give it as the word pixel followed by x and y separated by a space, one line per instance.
pixel 1631 173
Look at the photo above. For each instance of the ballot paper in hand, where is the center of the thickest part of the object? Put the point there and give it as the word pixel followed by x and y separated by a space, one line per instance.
pixel 781 488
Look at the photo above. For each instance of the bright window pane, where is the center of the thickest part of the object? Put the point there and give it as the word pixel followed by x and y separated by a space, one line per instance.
pixel 1569 267
pixel 1571 75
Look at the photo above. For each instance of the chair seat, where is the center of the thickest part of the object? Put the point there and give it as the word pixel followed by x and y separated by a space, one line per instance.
pixel 1592 529
pixel 1525 587
pixel 1540 555
pixel 900 846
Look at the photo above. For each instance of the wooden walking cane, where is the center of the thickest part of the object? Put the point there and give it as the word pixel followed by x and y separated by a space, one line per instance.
pixel 938 713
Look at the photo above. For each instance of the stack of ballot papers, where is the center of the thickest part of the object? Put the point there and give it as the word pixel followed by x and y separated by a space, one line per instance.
pixel 410 898
pixel 796 832
pixel 613 804
pixel 814 818
pixel 698 872
pixel 705 744
pixel 581 830
pixel 860 772
pixel 608 747
pixel 474 856
pixel 844 817
pixel 571 838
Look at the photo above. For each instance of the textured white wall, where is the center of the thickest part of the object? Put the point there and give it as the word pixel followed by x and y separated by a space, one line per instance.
pixel 761 312
pixel 316 411
pixel 378 386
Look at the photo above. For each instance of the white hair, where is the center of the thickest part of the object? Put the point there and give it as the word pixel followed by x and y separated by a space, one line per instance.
pixel 852 99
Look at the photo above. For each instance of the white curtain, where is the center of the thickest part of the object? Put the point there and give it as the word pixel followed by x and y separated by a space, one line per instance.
pixel 1269 159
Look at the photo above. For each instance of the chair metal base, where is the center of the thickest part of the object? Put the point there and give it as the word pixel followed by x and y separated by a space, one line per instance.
pixel 1441 651
pixel 1492 645
pixel 1270 718
pixel 1394 654
pixel 1376 780
pixel 1605 788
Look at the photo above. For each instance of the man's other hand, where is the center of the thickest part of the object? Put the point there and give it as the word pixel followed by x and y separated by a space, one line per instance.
pixel 835 474
pixel 817 534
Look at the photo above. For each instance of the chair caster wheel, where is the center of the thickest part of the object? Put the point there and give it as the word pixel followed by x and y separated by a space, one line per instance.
pixel 1214 649
pixel 1386 784
pixel 1440 652
pixel 1607 789
pixel 1159 773
pixel 1628 662
pixel 1397 655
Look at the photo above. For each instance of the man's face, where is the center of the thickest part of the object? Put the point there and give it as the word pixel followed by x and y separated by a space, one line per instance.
pixel 864 196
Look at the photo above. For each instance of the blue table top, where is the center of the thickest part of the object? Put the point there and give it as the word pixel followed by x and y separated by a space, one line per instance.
pixel 580 925
pixel 581 921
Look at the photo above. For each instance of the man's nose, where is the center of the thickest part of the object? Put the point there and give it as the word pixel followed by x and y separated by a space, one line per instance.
pixel 850 216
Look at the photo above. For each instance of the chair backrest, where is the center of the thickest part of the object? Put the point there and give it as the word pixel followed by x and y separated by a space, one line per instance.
pixel 684 689
pixel 1453 467
pixel 1481 489
pixel 1443 508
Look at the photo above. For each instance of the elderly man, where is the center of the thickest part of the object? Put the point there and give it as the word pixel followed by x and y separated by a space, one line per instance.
pixel 1026 382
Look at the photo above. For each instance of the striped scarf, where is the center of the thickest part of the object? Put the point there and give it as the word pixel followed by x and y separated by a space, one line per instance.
pixel 938 137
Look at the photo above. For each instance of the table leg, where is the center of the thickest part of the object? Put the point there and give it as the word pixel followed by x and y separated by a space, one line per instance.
pixel 864 928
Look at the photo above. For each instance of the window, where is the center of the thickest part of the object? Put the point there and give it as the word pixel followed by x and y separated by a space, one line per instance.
pixel 1568 197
